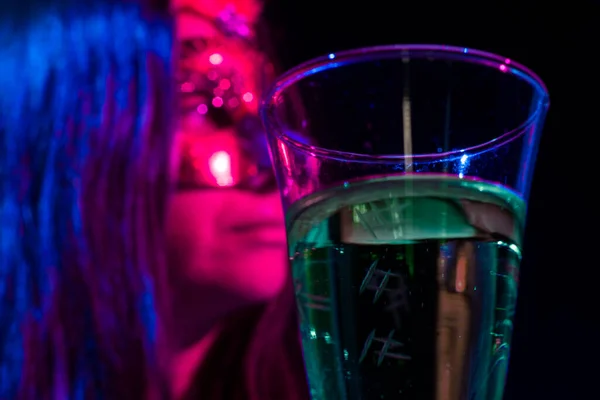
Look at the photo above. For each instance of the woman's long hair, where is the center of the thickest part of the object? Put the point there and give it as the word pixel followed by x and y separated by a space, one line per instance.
pixel 84 153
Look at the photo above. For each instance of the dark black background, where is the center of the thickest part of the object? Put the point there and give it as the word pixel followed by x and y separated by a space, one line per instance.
pixel 555 352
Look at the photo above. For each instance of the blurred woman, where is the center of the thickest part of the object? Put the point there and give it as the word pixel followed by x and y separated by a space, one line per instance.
pixel 84 161
pixel 235 326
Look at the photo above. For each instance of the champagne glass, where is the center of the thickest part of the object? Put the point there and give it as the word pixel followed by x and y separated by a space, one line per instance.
pixel 404 173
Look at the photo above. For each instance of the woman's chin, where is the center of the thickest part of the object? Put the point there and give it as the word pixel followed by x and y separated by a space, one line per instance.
pixel 260 273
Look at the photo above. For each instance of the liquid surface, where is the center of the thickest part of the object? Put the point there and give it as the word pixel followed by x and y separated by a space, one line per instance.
pixel 406 287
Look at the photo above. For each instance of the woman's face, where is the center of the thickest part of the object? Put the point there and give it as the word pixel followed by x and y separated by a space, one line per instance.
pixel 221 236
pixel 227 238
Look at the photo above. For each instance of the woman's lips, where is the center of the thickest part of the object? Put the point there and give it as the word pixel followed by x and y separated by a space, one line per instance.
pixel 259 233
pixel 249 226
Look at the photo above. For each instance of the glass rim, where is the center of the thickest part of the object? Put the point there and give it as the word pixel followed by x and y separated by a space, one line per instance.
pixel 356 56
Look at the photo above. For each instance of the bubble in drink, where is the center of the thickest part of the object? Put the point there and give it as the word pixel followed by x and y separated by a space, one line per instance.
pixel 406 287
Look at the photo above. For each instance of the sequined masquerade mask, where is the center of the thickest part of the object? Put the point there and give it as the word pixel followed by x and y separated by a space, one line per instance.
pixel 222 141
